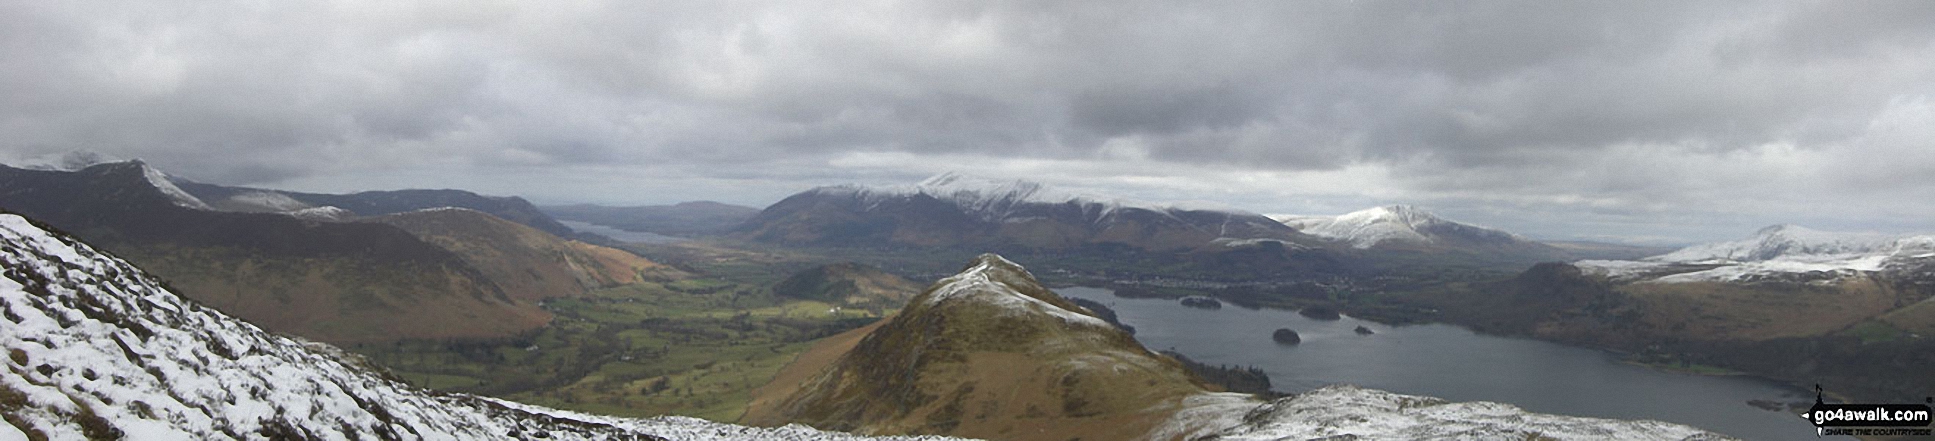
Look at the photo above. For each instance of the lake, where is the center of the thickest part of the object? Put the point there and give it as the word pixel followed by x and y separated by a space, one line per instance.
pixel 621 235
pixel 1457 364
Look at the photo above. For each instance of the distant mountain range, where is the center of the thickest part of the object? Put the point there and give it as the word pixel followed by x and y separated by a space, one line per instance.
pixel 370 203
pixel 962 211
pixel 1779 252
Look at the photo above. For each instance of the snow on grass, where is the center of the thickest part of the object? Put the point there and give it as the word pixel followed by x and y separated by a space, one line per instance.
pixel 160 182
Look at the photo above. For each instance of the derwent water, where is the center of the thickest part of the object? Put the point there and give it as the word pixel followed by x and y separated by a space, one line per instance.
pixel 1457 364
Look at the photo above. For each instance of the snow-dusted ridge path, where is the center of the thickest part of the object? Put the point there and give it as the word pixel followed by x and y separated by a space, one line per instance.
pixel 95 348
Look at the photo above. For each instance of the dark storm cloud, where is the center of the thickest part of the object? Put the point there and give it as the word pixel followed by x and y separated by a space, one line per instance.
pixel 1563 105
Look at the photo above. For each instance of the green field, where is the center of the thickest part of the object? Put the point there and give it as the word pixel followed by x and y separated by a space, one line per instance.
pixel 695 346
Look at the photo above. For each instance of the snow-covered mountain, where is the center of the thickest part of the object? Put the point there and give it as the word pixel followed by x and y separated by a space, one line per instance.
pixel 956 209
pixel 1779 251
pixel 99 349
pixel 1004 200
pixel 1393 224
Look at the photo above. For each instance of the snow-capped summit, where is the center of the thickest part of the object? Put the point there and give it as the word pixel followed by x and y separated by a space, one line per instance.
pixel 998 281
pixel 1390 223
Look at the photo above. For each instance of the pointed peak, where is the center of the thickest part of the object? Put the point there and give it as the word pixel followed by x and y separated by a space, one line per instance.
pixel 992 260
pixel 995 280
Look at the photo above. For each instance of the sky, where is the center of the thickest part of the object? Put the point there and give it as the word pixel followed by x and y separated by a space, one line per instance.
pixel 1640 122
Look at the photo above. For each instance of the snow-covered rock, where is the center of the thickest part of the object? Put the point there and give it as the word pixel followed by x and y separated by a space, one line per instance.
pixel 95 348
pixel 1350 412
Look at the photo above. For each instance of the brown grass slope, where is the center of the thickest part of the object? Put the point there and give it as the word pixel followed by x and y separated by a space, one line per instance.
pixel 529 264
pixel 334 282
pixel 988 353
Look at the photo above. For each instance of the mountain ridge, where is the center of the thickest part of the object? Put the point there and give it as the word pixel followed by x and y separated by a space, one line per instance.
pixel 958 210
pixel 285 273
pixel 1778 252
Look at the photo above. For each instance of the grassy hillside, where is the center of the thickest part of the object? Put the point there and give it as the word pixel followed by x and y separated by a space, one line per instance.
pixel 528 264
pixel 989 353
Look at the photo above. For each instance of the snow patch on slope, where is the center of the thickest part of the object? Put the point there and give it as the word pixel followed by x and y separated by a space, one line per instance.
pixel 98 348
pixel 268 201
pixel 982 283
pixel 160 181
pixel 323 213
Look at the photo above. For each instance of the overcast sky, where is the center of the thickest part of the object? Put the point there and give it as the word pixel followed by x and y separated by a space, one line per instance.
pixel 1665 122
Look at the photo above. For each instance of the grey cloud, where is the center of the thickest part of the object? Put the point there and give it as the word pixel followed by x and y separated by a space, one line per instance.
pixel 1460 100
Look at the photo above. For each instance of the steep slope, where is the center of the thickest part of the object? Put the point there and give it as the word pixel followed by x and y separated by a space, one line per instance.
pixel 991 353
pixel 332 281
pixel 957 210
pixel 98 349
pixel 1780 253
pixel 685 219
pixel 529 265
pixel 848 285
